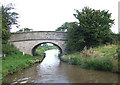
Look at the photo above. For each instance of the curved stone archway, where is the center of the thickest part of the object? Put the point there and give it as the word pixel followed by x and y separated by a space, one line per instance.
pixel 26 41
pixel 34 48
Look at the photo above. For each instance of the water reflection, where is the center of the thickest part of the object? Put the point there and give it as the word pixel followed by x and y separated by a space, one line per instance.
pixel 51 58
pixel 48 69
pixel 52 70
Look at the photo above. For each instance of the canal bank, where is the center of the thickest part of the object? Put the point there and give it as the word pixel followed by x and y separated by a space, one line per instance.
pixel 52 70
pixel 102 58
pixel 15 62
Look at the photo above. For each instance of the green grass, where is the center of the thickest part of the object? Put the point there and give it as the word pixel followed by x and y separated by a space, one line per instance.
pixel 99 58
pixel 41 49
pixel 15 62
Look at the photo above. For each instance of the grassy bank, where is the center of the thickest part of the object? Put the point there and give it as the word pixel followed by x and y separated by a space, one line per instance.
pixel 99 58
pixel 41 49
pixel 15 62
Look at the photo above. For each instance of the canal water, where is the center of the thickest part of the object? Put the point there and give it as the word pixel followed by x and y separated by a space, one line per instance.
pixel 52 70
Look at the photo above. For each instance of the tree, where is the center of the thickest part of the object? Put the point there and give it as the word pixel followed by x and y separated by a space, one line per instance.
pixel 25 30
pixel 64 27
pixel 8 19
pixel 92 29
pixel 75 38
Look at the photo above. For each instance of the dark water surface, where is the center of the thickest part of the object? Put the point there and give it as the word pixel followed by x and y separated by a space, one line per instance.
pixel 52 70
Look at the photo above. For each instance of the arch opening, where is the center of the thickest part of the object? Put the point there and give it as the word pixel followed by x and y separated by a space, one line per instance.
pixel 39 49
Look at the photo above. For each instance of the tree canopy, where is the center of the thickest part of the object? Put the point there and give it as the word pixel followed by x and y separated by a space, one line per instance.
pixel 64 27
pixel 9 18
pixel 92 29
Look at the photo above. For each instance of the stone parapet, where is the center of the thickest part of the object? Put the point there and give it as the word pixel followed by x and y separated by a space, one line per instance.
pixel 40 35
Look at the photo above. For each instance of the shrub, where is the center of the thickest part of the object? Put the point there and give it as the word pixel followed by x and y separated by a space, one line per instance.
pixel 98 63
pixel 103 63
pixel 116 38
pixel 74 61
pixel 9 49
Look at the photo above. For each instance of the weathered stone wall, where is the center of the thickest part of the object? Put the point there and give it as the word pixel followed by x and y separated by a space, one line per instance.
pixel 38 35
pixel 27 41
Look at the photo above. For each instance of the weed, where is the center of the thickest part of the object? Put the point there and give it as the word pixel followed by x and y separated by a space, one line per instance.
pixel 98 58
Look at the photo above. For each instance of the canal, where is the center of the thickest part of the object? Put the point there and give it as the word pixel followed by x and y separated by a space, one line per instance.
pixel 52 70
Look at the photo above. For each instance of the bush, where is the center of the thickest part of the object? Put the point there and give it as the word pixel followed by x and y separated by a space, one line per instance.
pixel 93 64
pixel 116 38
pixel 9 49
pixel 74 61
pixel 103 63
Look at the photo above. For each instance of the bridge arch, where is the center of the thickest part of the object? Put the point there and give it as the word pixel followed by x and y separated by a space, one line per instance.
pixel 35 47
pixel 28 41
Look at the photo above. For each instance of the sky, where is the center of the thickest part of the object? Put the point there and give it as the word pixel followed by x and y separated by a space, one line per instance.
pixel 48 15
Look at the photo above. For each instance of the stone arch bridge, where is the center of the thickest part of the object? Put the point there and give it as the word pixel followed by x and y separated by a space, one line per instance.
pixel 28 41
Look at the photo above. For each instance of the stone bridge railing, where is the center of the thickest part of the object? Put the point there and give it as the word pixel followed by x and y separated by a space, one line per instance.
pixel 38 35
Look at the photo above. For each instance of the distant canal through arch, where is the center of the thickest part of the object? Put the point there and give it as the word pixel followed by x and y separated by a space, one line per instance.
pixel 52 70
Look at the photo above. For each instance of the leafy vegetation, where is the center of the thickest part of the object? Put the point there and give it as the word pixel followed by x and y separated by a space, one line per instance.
pixel 41 49
pixel 12 60
pixel 98 58
pixel 0 47
pixel 25 30
pixel 64 27
pixel 91 43
pixel 9 18
pixel 116 38
pixel 92 29
pixel 9 49
pixel 15 61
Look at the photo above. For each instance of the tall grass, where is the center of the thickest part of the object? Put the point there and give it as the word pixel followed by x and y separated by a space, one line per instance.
pixel 99 58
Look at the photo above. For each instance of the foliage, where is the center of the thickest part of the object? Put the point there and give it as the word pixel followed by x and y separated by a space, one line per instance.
pixel 93 64
pixel 118 51
pixel 9 18
pixel 14 60
pixel 9 49
pixel 116 38
pixel 97 58
pixel 75 38
pixel 25 30
pixel 64 27
pixel 92 29
pixel 41 49
pixel 0 26
pixel 5 35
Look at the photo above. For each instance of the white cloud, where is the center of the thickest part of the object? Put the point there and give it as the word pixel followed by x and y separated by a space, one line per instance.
pixel 43 15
